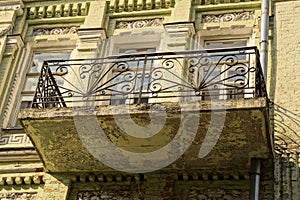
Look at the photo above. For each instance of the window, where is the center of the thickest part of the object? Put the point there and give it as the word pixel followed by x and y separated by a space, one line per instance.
pixel 139 70
pixel 32 76
pixel 213 44
pixel 223 80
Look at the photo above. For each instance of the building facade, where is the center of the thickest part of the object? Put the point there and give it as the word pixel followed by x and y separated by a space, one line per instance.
pixel 149 99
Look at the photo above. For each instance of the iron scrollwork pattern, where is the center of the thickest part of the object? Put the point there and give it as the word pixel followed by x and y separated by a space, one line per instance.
pixel 152 77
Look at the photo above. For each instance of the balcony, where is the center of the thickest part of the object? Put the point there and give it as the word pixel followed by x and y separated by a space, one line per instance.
pixel 218 97
pixel 151 78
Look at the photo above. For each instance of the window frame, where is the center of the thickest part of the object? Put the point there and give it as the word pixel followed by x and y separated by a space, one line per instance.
pixel 32 44
pixel 225 93
pixel 134 40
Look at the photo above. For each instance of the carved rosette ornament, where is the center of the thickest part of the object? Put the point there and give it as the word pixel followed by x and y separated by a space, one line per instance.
pixel 139 23
pixel 55 31
pixel 228 17
pixel 18 196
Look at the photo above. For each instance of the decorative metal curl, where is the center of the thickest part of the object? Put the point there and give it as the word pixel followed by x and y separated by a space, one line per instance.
pixel 168 63
pixel 84 70
pixel 121 66
pixel 230 60
pixel 63 69
pixel 157 74
pixel 155 87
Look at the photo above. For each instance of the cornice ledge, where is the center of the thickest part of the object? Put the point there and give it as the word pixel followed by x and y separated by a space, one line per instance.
pixel 22 179
pixel 91 34
pixel 15 41
pixel 175 27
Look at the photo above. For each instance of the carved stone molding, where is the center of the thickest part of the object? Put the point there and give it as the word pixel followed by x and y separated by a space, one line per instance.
pixel 15 5
pixel 20 179
pixel 60 10
pixel 91 35
pixel 228 17
pixel 108 195
pixel 18 196
pixel 55 31
pixel 179 35
pixel 139 23
pixel 216 2
pixel 217 193
pixel 20 138
pixel 180 28
pixel 129 6
pixel 5 30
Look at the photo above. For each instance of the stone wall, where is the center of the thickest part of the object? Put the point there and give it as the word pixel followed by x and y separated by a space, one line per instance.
pixel 284 92
pixel 26 26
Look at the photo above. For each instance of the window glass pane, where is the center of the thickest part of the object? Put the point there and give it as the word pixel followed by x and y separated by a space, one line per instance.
pixel 138 50
pixel 31 83
pixel 26 104
pixel 223 76
pixel 225 44
pixel 137 69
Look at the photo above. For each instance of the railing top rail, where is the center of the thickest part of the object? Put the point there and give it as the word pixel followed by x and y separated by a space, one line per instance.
pixel 159 54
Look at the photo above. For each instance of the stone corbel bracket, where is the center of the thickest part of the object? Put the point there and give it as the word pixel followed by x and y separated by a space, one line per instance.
pixel 58 11
pixel 13 43
pixel 22 179
pixel 90 38
pixel 139 5
pixel 4 30
pixel 16 5
pixel 179 34
pixel 180 28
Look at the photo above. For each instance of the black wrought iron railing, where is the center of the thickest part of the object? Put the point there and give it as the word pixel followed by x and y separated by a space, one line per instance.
pixel 150 78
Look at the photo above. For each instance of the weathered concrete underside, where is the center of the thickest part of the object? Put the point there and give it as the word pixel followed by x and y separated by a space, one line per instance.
pixel 244 136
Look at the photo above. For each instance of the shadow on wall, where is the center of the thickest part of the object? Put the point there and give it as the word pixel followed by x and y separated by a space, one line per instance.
pixel 286 127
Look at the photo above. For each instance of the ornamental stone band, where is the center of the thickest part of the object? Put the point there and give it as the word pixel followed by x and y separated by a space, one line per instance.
pixel 228 17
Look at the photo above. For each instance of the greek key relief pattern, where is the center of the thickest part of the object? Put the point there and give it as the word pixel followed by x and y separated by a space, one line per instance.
pixel 18 196
pixel 55 31
pixel 139 23
pixel 228 17
pixel 14 139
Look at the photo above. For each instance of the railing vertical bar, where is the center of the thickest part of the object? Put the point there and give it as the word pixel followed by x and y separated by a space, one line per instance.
pixel 45 86
pixel 142 81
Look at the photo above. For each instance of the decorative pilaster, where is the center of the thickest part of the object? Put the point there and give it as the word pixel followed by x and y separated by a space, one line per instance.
pixel 178 35
pixel 11 54
pixel 8 12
